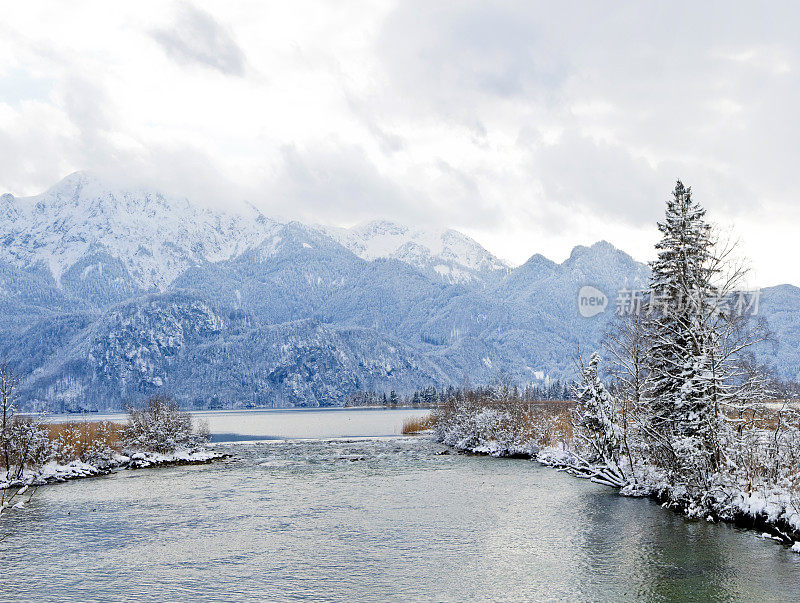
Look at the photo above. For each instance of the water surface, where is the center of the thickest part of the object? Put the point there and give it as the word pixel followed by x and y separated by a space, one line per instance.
pixel 237 425
pixel 387 518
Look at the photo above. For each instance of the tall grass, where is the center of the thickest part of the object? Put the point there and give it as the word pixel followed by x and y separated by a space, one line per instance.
pixel 82 439
pixel 479 418
pixel 414 425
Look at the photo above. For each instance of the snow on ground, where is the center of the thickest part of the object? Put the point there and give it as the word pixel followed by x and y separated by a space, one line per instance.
pixel 54 472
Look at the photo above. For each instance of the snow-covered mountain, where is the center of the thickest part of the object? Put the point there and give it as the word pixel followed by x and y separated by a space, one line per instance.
pixel 110 294
pixel 143 239
pixel 83 221
pixel 446 254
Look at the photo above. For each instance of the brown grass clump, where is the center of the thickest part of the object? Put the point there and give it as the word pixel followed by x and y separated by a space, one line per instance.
pixel 414 425
pixel 513 421
pixel 546 423
pixel 79 439
pixel 768 416
pixel 550 421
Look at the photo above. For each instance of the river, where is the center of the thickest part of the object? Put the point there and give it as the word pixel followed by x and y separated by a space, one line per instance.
pixel 376 517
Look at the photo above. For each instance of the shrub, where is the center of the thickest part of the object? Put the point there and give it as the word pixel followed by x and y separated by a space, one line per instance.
pixel 25 444
pixel 475 418
pixel 88 441
pixel 159 425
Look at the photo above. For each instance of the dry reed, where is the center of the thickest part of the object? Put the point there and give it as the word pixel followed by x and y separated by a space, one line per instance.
pixel 80 438
pixel 414 425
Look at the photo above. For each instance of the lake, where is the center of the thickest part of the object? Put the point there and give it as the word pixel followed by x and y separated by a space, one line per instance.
pixel 341 508
pixel 237 425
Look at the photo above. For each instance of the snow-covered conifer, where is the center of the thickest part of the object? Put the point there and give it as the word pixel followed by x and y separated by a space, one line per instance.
pixel 684 385
pixel 596 418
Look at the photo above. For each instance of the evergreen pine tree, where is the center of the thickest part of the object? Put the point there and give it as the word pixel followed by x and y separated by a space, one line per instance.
pixel 681 398
pixel 597 418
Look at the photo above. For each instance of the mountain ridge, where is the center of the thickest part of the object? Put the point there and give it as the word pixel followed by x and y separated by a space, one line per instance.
pixel 244 310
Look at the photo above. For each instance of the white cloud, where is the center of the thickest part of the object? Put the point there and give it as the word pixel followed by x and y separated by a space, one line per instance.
pixel 531 126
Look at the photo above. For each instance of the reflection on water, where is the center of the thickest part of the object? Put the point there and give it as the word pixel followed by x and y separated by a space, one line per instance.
pixel 373 519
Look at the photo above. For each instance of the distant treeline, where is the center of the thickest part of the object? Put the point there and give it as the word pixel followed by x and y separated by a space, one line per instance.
pixel 431 396
pixel 557 390
pixel 786 390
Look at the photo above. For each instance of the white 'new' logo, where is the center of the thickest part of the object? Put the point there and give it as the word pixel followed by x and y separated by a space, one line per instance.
pixel 591 301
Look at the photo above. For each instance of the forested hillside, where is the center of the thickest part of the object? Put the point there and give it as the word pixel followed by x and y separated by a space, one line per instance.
pixel 108 295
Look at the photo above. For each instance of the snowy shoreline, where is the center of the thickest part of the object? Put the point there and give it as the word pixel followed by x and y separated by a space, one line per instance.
pixel 769 513
pixel 53 472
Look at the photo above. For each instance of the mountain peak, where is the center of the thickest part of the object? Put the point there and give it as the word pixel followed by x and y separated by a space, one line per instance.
pixel 74 179
pixel 600 253
pixel 155 237
pixel 78 184
pixel 538 260
pixel 602 262
pixel 446 254
pixel 380 228
pixel 603 245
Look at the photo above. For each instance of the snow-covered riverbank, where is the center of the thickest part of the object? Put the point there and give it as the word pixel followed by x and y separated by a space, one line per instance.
pixel 772 511
pixel 34 453
pixel 54 472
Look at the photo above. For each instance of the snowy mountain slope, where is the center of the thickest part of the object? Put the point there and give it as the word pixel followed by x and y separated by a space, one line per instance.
pixel 111 242
pixel 447 254
pixel 302 275
pixel 307 363
pixel 301 320
pixel 27 294
pixel 207 356
pixel 131 238
pixel 108 295
pixel 780 307
pixel 544 282
pixel 290 276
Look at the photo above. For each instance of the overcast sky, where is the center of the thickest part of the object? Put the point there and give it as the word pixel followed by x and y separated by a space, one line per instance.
pixel 532 126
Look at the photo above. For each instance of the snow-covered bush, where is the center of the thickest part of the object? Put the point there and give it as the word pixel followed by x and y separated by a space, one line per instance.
pixel 87 441
pixel 159 425
pixel 25 444
pixel 482 421
pixel 596 422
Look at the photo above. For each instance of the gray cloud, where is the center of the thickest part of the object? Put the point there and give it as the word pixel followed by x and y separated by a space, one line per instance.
pixel 387 141
pixel 637 94
pixel 33 158
pixel 197 38
pixel 490 49
pixel 334 182
pixel 600 178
